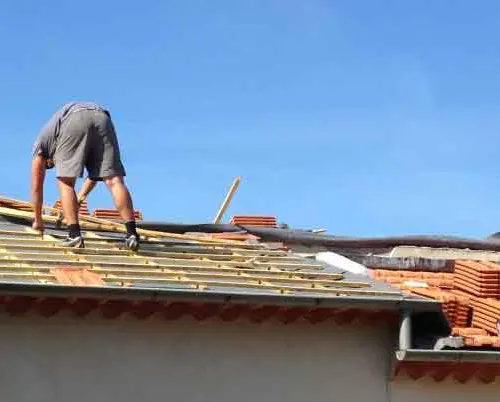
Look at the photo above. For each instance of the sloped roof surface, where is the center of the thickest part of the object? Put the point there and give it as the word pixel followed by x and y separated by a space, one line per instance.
pixel 27 258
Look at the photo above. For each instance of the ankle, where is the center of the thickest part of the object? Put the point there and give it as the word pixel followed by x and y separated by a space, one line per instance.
pixel 74 230
pixel 131 228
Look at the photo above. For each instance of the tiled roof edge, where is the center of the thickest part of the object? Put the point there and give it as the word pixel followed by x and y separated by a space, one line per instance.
pixel 469 356
pixel 155 294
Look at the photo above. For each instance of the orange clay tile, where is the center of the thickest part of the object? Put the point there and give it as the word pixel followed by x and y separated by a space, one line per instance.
pixel 482 340
pixel 16 205
pixel 84 210
pixel 252 220
pixel 468 331
pixel 113 214
pixel 439 280
pixel 486 313
pixel 234 236
pixel 77 277
pixel 478 279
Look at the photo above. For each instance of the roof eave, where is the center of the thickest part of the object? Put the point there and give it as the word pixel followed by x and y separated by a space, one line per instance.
pixel 160 294
pixel 452 356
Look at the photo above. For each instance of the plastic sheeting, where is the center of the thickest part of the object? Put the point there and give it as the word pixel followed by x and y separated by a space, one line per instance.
pixel 340 262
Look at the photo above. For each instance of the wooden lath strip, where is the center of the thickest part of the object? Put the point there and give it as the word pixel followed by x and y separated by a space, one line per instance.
pixel 91 239
pixel 151 268
pixel 278 288
pixel 88 222
pixel 98 259
pixel 24 275
pixel 22 233
pixel 137 260
pixel 184 271
pixel 45 245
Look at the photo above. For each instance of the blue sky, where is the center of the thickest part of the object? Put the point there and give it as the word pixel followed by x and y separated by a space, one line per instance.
pixel 366 118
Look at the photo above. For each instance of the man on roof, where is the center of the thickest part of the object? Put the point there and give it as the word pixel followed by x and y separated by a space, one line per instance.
pixel 81 135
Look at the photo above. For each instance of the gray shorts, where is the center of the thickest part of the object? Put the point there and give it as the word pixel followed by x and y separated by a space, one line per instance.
pixel 88 140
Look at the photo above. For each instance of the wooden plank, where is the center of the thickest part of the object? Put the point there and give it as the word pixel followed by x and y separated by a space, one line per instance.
pixel 95 239
pixel 52 246
pixel 154 269
pixel 236 285
pixel 34 274
pixel 98 258
pixel 103 224
pixel 243 277
pixel 227 200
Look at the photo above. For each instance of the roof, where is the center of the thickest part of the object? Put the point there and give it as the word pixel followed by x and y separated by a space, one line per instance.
pixel 469 296
pixel 254 273
pixel 461 274
pixel 180 267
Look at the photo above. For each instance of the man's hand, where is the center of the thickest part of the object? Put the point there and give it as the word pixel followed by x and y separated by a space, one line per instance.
pixel 88 186
pixel 38 225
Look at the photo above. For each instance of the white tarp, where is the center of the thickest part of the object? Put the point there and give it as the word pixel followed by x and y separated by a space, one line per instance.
pixel 342 263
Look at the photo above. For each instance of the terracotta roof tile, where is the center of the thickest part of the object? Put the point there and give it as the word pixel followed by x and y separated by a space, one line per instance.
pixel 433 279
pixel 84 208
pixel 478 279
pixel 113 214
pixel 15 205
pixel 482 340
pixel 77 276
pixel 234 236
pixel 468 331
pixel 251 220
pixel 486 314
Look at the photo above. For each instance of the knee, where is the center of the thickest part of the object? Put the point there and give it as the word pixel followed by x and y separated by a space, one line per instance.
pixel 66 181
pixel 113 181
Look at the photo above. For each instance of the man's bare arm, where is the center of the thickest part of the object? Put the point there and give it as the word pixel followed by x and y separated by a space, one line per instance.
pixel 37 178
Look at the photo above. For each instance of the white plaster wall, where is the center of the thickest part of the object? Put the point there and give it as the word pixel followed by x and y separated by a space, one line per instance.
pixel 426 390
pixel 61 359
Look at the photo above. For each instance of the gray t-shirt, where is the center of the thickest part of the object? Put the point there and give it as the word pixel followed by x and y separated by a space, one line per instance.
pixel 46 142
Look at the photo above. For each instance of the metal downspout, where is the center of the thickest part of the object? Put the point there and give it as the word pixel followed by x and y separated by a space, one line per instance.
pixel 405 330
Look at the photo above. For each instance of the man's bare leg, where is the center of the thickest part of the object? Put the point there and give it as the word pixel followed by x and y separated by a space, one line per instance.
pixel 70 209
pixel 121 197
pixel 68 199
pixel 123 202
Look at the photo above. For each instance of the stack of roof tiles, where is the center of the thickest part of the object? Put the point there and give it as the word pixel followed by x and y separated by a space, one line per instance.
pixel 84 208
pixel 113 214
pixel 16 205
pixel 486 314
pixel 254 220
pixel 470 297
pixel 478 279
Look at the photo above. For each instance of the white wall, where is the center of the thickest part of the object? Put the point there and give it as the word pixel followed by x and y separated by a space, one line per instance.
pixel 63 359
pixel 60 359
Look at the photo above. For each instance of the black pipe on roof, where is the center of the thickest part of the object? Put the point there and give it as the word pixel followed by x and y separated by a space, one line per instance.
pixel 299 237
pixel 309 239
pixel 184 228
